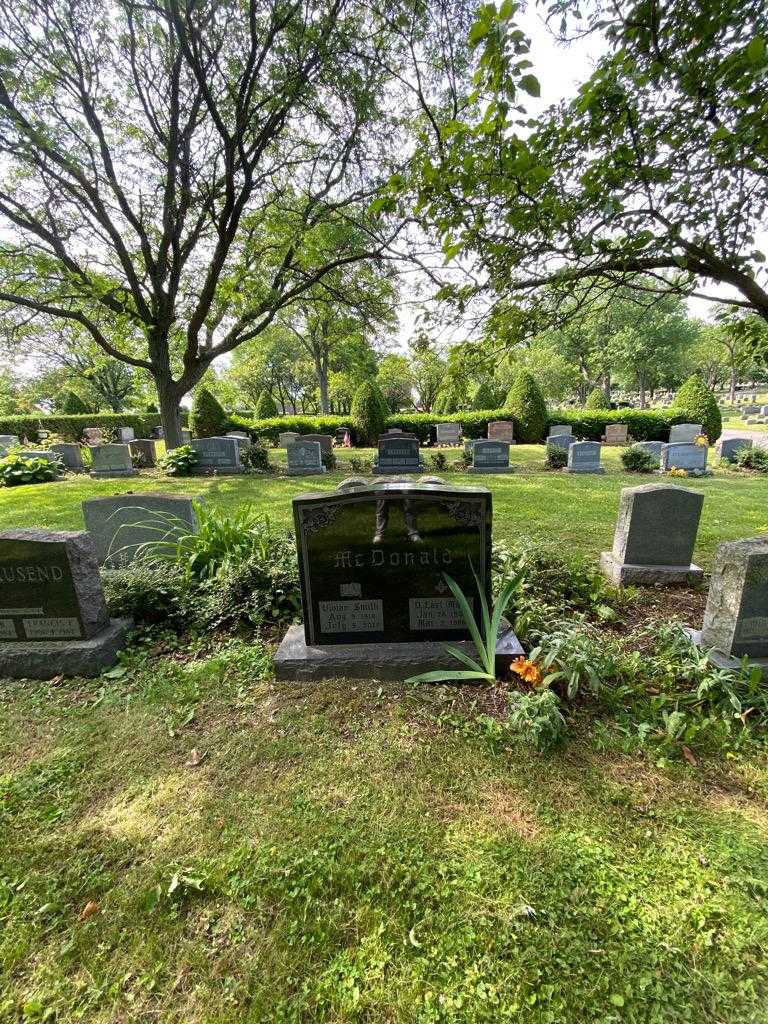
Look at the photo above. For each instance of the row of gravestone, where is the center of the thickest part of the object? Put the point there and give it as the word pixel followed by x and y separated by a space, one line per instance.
pixel 373 561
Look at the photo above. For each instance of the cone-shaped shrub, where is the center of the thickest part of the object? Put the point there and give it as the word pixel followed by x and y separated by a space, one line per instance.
pixel 697 403
pixel 484 397
pixel 368 413
pixel 265 407
pixel 73 405
pixel 596 399
pixel 207 417
pixel 526 403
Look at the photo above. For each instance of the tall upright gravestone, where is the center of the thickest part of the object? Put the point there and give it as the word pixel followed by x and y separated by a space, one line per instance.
pixel 736 615
pixel 53 617
pixel 655 536
pixel 373 561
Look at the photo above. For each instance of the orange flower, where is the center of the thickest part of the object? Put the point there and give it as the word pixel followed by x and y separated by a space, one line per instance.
pixel 527 670
pixel 702 440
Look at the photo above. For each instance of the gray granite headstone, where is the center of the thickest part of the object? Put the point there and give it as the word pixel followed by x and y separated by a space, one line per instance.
pixel 121 523
pixel 561 440
pixel 9 440
pixel 324 440
pixel 53 616
pixel 557 429
pixel 684 432
pixel 186 436
pixel 70 456
pixel 736 615
pixel 219 455
pixel 448 433
pixel 146 449
pixel 287 437
pixel 46 454
pixel 125 434
pixel 398 454
pixel 305 458
pixel 728 447
pixel 373 561
pixel 655 536
pixel 684 455
pixel 111 460
pixel 501 430
pixel 490 457
pixel 584 457
pixel 652 448
pixel 616 433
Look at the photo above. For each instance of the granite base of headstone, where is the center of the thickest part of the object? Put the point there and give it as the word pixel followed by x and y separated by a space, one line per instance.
pixel 584 457
pixel 729 447
pixel 146 451
pixel 111 460
pixel 490 457
pixel 54 620
pixel 655 536
pixel 372 562
pixel 736 614
pixel 124 524
pixel 70 456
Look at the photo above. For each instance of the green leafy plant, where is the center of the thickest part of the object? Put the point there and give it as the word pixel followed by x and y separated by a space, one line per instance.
pixel 755 459
pixel 265 407
pixel 698 404
pixel 556 457
pixel 484 635
pixel 368 412
pixel 484 397
pixel 149 593
pixel 180 461
pixel 637 460
pixel 255 457
pixel 207 417
pixel 576 657
pixel 596 399
pixel 328 459
pixel 526 403
pixel 537 717
pixel 438 461
pixel 16 470
pixel 360 465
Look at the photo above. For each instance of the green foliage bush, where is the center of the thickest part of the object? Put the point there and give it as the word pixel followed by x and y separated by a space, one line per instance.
pixel 180 461
pixel 637 460
pixel 16 470
pixel 70 428
pixel 484 397
pixel 255 457
pixel 368 413
pixel 596 399
pixel 755 459
pixel 699 405
pixel 537 718
pixel 147 592
pixel 527 406
pixel 438 461
pixel 73 405
pixel 265 407
pixel 644 424
pixel 207 417
pixel 556 458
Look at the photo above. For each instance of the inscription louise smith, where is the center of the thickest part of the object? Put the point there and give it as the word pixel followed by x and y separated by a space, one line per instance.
pixel 373 564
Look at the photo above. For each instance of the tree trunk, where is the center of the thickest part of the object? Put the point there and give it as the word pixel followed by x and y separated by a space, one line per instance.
pixel 732 397
pixel 607 386
pixel 641 382
pixel 169 414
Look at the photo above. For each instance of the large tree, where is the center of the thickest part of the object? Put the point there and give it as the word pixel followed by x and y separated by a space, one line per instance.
pixel 657 167
pixel 170 165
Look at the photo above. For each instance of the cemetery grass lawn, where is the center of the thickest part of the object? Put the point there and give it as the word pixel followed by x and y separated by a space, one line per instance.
pixel 576 511
pixel 343 853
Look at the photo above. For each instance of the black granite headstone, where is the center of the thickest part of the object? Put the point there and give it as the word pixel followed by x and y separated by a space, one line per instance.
pixel 373 559
pixel 398 454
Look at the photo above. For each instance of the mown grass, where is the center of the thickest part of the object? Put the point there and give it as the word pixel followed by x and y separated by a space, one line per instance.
pixel 577 511
pixel 345 853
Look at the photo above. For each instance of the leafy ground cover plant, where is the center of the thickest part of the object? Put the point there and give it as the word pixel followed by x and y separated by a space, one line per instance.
pixel 556 457
pixel 637 460
pixel 255 457
pixel 755 459
pixel 16 470
pixel 180 461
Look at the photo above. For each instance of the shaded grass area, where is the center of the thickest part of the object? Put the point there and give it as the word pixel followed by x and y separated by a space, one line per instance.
pixel 346 853
pixel 578 511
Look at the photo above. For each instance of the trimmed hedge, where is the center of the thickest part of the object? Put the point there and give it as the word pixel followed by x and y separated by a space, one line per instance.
pixel 71 427
pixel 269 429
